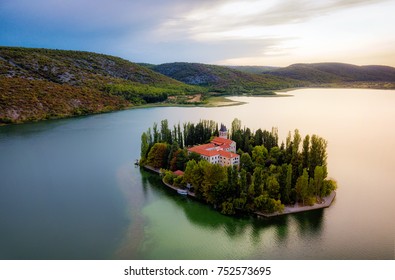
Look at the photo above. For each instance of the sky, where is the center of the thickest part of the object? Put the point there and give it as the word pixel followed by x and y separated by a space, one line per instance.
pixel 225 32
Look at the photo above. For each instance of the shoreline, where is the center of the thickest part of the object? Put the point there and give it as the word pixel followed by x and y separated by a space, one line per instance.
pixel 157 171
pixel 227 101
pixel 289 209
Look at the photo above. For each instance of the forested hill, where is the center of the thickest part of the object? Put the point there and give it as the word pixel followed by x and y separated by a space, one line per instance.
pixel 225 79
pixel 38 84
pixel 338 73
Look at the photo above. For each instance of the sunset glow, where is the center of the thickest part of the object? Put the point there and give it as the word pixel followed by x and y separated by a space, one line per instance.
pixel 275 32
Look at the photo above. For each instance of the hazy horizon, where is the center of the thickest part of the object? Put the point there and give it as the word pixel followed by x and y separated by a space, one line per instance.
pixel 275 33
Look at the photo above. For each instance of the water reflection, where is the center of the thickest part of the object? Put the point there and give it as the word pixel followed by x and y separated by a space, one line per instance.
pixel 308 224
pixel 64 173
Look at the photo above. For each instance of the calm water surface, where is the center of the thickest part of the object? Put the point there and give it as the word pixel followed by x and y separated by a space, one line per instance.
pixel 69 189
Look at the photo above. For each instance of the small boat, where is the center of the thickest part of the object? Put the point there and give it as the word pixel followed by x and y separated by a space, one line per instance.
pixel 182 192
pixel 136 162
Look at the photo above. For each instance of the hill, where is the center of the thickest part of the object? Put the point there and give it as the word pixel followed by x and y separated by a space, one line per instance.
pixel 38 84
pixel 254 69
pixel 224 79
pixel 338 73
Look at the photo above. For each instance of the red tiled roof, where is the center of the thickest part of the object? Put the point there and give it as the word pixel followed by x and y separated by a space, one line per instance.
pixel 211 153
pixel 208 146
pixel 203 151
pixel 221 141
pixel 217 147
pixel 228 154
pixel 178 173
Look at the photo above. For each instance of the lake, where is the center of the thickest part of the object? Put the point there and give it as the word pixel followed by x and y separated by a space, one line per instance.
pixel 69 188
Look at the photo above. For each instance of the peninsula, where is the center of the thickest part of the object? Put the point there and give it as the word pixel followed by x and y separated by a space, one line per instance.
pixel 241 171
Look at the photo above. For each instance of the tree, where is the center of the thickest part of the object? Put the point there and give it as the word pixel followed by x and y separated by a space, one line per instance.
pixel 194 156
pixel 246 162
pixel 272 187
pixel 246 141
pixel 173 149
pixel 157 156
pixel 144 146
pixel 243 185
pixel 318 180
pixel 327 187
pixel 288 185
pixel 258 137
pixel 212 175
pixel 259 154
pixel 194 175
pixel 181 159
pixel 232 178
pixel 260 202
pixel 156 133
pixel 296 141
pixel 302 186
pixel 305 151
pixel 275 155
pixel 257 181
pixel 236 126
pixel 318 154
pixel 227 208
pixel 179 137
pixel 165 132
pixel 274 205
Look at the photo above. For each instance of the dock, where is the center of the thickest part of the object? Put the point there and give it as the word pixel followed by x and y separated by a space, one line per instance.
pixel 156 170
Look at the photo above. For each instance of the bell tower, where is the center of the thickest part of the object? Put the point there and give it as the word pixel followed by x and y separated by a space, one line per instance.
pixel 223 132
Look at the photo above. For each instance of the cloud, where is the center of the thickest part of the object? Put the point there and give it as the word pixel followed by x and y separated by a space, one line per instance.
pixel 218 22
pixel 189 30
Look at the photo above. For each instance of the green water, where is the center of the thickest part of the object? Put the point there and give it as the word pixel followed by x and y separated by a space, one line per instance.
pixel 69 188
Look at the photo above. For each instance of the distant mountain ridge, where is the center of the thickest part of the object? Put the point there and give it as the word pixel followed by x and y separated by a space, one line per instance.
pixel 253 69
pixel 38 84
pixel 319 73
pixel 256 79
pixel 224 79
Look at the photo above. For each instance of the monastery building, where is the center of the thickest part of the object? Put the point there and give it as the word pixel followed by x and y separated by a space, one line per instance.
pixel 220 150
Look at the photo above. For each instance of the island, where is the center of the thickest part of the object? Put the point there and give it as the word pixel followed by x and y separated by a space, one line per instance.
pixel 243 171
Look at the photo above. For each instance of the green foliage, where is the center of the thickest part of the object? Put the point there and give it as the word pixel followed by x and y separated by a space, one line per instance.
pixel 145 145
pixel 213 174
pixel 318 180
pixel 139 93
pixel 23 100
pixel 157 156
pixel 169 177
pixel 199 133
pixel 337 74
pixel 265 181
pixel 317 154
pixel 221 79
pixel 246 162
pixel 272 187
pixel 37 84
pixel 227 208
pixel 302 186
pixel 259 155
pixel 327 187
